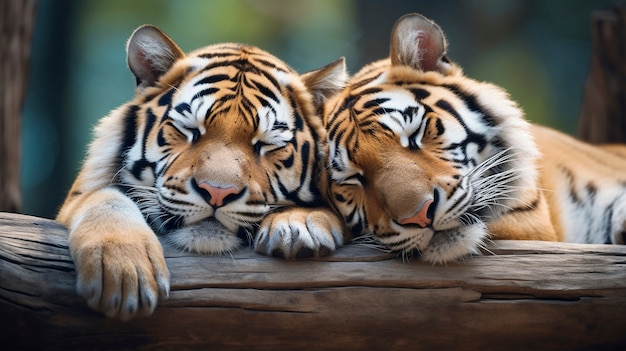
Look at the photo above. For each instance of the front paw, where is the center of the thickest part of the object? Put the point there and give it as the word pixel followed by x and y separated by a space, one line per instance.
pixel 121 274
pixel 300 232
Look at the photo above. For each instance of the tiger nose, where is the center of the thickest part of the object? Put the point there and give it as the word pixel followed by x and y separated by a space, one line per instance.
pixel 217 194
pixel 423 217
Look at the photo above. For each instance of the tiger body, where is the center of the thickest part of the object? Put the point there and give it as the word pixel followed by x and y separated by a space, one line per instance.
pixel 219 143
pixel 585 187
pixel 424 159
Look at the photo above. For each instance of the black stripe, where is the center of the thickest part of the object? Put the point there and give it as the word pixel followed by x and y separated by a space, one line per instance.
pixel 168 164
pixel 571 184
pixel 267 63
pixel 419 94
pixel 592 190
pixel 222 54
pixel 151 119
pixel 183 107
pixel 388 235
pixel 272 190
pixel 339 197
pixel 299 121
pixel 472 137
pixel 249 110
pixel 348 103
pixel 607 222
pixel 265 103
pixel 176 188
pixel 375 102
pixel 205 92
pixel 472 103
pixel 288 162
pixel 440 127
pixel 130 130
pixel 528 207
pixel 166 99
pixel 271 78
pixel 212 79
pixel 140 165
pixel 364 82
pixel 461 201
pixel 265 91
pixel 304 151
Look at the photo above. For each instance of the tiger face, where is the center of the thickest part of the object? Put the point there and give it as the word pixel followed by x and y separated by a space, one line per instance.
pixel 421 157
pixel 226 135
pixel 222 141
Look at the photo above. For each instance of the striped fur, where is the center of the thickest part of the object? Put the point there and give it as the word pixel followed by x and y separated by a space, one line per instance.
pixel 217 144
pixel 424 159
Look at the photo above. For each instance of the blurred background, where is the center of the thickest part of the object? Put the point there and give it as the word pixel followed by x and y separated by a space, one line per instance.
pixel 537 50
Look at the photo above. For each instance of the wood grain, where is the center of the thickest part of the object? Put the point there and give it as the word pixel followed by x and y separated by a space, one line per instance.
pixel 519 295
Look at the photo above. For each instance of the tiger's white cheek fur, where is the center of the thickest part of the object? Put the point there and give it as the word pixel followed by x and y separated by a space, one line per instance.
pixel 455 244
pixel 205 237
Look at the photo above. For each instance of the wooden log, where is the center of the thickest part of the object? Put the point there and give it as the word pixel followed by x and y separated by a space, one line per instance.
pixel 517 295
pixel 603 112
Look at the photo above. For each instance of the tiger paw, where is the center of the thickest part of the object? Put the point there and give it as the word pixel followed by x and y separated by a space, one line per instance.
pixel 300 232
pixel 120 274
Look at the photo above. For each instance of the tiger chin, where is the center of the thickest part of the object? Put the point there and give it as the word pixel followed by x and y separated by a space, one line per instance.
pixel 219 145
pixel 424 159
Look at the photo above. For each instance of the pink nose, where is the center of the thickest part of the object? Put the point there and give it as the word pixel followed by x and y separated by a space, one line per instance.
pixel 218 194
pixel 421 218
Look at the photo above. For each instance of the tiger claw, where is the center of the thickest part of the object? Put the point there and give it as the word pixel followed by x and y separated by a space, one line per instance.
pixel 299 233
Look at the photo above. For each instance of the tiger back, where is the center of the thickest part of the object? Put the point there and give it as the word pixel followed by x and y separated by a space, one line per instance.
pixel 426 160
pixel 217 146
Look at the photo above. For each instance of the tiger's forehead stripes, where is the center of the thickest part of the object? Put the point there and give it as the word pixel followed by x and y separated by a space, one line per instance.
pixel 396 111
pixel 230 83
pixel 396 105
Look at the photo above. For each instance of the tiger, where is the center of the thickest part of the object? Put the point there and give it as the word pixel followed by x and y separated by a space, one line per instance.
pixel 431 164
pixel 218 146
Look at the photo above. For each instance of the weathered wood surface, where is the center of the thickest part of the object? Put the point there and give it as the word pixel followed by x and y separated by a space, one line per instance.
pixel 521 295
pixel 603 111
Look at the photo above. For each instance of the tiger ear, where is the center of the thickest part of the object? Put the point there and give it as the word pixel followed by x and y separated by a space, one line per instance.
pixel 418 42
pixel 326 81
pixel 150 53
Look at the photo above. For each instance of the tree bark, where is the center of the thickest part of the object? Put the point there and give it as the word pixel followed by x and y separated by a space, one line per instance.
pixel 17 22
pixel 517 296
pixel 603 113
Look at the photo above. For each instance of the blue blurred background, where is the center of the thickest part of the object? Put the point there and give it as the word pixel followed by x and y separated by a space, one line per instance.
pixel 537 50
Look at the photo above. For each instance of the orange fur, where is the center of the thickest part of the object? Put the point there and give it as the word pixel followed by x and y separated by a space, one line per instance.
pixel 413 131
pixel 221 141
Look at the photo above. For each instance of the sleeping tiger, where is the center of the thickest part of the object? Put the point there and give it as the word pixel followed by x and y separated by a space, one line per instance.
pixel 212 142
pixel 425 160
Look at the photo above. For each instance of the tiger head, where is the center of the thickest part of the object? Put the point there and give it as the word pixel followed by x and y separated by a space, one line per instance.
pixel 421 157
pixel 219 136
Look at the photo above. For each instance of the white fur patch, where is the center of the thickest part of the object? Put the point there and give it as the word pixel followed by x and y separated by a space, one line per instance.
pixel 447 246
pixel 342 168
pixel 275 127
pixel 401 124
pixel 206 237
